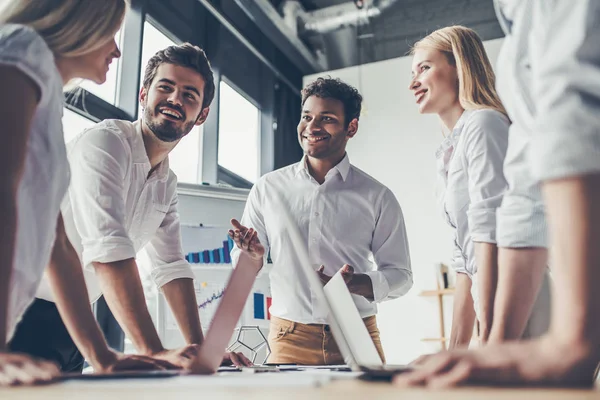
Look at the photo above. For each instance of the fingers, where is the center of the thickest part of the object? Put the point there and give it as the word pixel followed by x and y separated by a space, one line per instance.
pixel 235 359
pixel 240 360
pixel 253 242
pixel 236 224
pixel 324 278
pixel 347 269
pixel 458 374
pixel 420 360
pixel 17 369
pixel 246 237
pixel 243 238
pixel 436 365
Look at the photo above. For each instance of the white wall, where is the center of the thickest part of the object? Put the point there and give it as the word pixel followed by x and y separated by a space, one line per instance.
pixel 396 145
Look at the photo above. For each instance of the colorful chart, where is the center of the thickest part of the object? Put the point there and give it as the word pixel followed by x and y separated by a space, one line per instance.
pixel 262 304
pixel 213 256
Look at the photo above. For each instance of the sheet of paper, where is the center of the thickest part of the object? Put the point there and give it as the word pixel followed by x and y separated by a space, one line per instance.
pixel 347 316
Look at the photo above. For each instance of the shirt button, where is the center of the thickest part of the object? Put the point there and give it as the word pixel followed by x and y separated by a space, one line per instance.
pixel 314 240
pixel 316 214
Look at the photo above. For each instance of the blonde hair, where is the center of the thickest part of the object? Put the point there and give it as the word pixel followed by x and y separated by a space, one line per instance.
pixel 476 78
pixel 70 28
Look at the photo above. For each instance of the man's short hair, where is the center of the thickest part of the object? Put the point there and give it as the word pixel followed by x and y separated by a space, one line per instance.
pixel 336 89
pixel 185 55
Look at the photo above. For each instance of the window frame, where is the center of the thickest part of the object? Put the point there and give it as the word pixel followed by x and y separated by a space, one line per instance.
pixel 224 175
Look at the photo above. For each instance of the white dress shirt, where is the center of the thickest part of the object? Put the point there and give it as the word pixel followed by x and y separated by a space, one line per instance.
pixel 113 209
pixel 345 220
pixel 45 171
pixel 472 184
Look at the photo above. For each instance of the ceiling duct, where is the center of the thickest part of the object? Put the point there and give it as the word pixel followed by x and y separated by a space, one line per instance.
pixel 331 18
pixel 332 30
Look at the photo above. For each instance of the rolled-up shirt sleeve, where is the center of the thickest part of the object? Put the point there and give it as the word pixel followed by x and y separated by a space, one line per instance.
pixel 486 141
pixel 393 277
pixel 253 218
pixel 165 250
pixel 565 55
pixel 99 161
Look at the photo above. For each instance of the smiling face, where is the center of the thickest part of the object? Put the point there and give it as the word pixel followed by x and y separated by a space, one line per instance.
pixel 173 102
pixel 322 131
pixel 435 81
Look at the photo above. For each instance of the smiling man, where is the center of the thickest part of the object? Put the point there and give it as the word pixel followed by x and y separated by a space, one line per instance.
pixel 123 199
pixel 345 216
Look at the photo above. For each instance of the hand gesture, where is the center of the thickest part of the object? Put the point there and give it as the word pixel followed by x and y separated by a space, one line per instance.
pixel 247 240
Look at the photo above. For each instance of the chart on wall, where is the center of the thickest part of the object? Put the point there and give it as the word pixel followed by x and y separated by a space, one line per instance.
pixel 207 249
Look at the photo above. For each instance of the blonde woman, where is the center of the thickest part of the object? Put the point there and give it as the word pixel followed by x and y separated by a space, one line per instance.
pixel 44 44
pixel 453 78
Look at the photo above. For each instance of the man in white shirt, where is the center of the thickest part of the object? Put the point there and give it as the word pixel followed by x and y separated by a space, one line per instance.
pixel 122 199
pixel 345 216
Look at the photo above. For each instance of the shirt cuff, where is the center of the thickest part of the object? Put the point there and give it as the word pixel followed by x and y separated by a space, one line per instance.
pixel 168 272
pixel 107 250
pixel 381 287
pixel 482 225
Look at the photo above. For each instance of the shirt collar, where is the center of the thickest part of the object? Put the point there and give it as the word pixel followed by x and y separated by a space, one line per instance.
pixel 450 140
pixel 343 168
pixel 140 156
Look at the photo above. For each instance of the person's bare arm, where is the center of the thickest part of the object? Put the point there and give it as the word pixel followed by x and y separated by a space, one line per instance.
pixel 486 258
pixel 463 315
pixel 181 297
pixel 520 275
pixel 69 289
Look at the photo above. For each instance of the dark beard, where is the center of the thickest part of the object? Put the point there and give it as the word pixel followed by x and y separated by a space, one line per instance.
pixel 166 131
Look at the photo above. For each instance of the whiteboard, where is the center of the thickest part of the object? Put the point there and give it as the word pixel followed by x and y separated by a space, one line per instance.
pixel 205 213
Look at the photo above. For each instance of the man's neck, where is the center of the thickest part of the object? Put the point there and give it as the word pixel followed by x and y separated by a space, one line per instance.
pixel 156 150
pixel 319 167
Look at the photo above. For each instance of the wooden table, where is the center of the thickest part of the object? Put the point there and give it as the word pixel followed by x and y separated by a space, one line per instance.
pixel 343 390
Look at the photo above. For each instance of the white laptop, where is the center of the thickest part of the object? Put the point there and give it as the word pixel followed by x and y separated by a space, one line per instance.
pixel 348 328
pixel 219 333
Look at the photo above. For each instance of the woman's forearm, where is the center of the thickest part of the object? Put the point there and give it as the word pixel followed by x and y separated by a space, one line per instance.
pixel 463 316
pixel 486 258
pixel 7 243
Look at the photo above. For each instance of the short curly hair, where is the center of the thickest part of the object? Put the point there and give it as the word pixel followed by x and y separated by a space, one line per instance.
pixel 184 55
pixel 336 89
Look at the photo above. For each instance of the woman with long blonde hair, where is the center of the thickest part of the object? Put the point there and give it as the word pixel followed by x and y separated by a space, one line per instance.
pixel 45 44
pixel 453 78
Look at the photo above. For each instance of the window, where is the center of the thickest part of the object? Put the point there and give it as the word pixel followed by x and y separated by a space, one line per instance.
pixel 186 158
pixel 74 124
pixel 108 90
pixel 239 130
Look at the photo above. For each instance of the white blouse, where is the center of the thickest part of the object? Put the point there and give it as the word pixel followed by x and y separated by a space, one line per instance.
pixel 470 163
pixel 46 170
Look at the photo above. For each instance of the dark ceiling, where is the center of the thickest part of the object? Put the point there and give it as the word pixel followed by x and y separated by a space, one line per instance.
pixel 391 34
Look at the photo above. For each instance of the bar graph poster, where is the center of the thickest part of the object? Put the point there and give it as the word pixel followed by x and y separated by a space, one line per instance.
pixel 257 307
pixel 206 245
